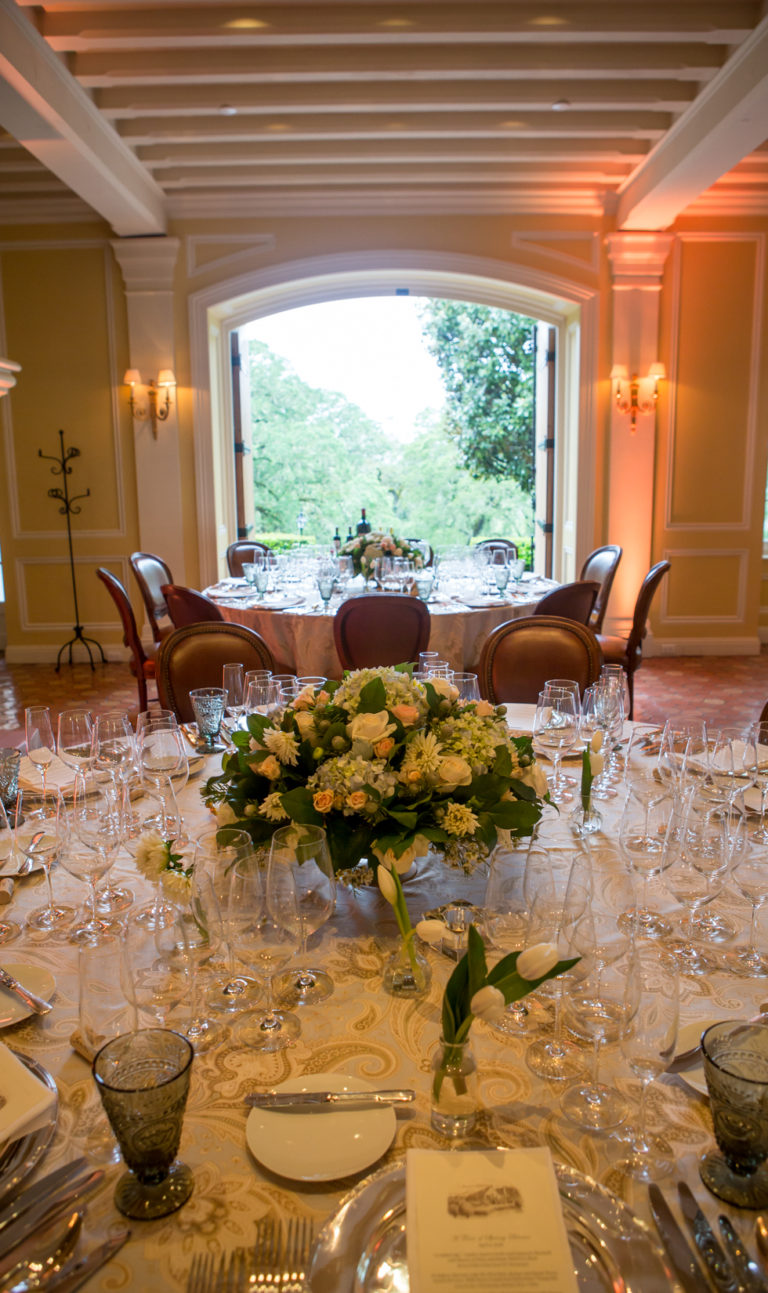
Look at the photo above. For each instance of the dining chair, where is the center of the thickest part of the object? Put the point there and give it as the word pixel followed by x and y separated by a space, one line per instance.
pixel 194 656
pixel 187 606
pixel 521 655
pixel 380 629
pixel 601 565
pixel 570 601
pixel 628 652
pixel 498 545
pixel 142 667
pixel 245 550
pixel 150 573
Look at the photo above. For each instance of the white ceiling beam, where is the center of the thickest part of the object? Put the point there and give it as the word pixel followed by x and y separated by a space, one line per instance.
pixel 49 114
pixel 728 120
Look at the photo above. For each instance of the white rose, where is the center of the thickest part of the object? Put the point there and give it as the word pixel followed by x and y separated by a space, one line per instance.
pixel 487 1003
pixel 537 961
pixel 370 727
pixel 455 771
pixel 535 777
pixel 305 723
pixel 445 688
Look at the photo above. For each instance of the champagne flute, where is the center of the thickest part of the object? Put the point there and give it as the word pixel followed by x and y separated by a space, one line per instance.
pixel 41 830
pixel 264 934
pixel 648 1041
pixel 233 682
pixel 555 731
pixel 75 738
pixel 40 743
pixel 98 829
pixel 302 851
pixel 218 851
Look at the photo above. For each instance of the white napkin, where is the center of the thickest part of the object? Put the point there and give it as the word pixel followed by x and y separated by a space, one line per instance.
pixel 25 1101
pixel 57 775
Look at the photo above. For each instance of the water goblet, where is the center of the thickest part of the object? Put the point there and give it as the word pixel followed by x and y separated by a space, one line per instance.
pixel 325 585
pixel 424 580
pixel 38 731
pixel 500 577
pixel 265 934
pixel 219 851
pixel 648 1040
pixel 208 704
pixel 9 778
pixel 300 858
pixel 41 831
pixel 143 1081
pixel 736 1071
pixel 516 572
pixel 261 581
pixel 74 738
pixel 759 735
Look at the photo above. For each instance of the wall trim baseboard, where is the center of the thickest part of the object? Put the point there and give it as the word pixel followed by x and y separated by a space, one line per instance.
pixel 702 646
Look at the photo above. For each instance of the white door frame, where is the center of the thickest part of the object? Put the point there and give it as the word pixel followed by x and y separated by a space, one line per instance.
pixel 216 311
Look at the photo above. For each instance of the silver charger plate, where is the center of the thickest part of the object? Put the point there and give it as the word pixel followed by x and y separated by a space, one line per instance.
pixel 20 1157
pixel 362 1248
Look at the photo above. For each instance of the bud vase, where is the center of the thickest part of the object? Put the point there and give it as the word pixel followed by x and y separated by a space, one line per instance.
pixel 454 1099
pixel 406 972
pixel 585 821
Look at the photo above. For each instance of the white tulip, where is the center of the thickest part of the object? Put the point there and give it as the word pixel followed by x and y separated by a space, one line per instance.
pixel 487 1003
pixel 537 961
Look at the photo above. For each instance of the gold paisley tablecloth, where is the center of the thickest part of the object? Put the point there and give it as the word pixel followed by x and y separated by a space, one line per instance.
pixel 359 1030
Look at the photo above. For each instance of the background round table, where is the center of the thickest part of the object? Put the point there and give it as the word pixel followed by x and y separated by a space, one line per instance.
pixel 302 636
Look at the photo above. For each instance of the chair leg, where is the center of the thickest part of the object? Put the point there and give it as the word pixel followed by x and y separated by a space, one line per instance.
pixel 631 687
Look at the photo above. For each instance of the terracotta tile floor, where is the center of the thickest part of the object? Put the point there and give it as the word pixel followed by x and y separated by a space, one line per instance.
pixel 722 689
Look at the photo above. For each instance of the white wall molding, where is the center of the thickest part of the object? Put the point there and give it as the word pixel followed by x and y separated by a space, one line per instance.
pixel 742 555
pixel 545 242
pixel 27 625
pixel 246 248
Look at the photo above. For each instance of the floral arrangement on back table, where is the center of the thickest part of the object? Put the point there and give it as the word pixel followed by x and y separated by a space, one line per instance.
pixel 367 547
pixel 389 767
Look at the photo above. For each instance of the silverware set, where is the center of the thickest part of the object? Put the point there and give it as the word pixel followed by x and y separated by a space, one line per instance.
pixel 40 1230
pixel 725 1267
pixel 278 1261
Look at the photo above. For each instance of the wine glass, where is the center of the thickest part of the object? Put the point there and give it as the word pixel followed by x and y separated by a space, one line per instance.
pixel 642 779
pixel 555 731
pixel 516 877
pixel 302 853
pixel 40 743
pixel 114 752
pixel 74 738
pixel 263 697
pixel 152 974
pixel 732 764
pixel 233 682
pixel 467 686
pixel 197 930
pixel 264 934
pixel 594 1005
pixel 9 930
pixel 554 1057
pixel 760 737
pixel 697 875
pixel 648 1041
pixel 648 850
pixel 750 875
pixel 218 851
pixel 41 830
pixel 98 829
pixel 164 765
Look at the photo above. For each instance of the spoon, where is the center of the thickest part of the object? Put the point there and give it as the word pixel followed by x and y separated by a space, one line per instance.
pixel 761 1235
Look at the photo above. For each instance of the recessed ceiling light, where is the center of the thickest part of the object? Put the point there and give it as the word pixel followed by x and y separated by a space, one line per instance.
pixel 512 125
pixel 226 110
pixel 277 125
pixel 561 105
pixel 395 125
pixel 395 22
pixel 246 23
pixel 549 20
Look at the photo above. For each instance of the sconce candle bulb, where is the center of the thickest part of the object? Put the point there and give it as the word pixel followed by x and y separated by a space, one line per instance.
pixel 153 411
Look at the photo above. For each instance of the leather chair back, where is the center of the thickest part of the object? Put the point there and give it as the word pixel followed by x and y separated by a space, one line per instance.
pixel 380 629
pixel 244 550
pixel 520 656
pixel 187 606
pixel 141 666
pixel 601 565
pixel 151 573
pixel 499 545
pixel 195 655
pixel 570 601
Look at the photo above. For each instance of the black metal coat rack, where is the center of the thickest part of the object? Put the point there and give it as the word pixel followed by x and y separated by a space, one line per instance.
pixel 68 510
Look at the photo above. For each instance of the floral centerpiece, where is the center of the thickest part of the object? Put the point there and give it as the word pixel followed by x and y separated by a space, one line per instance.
pixel 367 547
pixel 389 766
pixel 157 861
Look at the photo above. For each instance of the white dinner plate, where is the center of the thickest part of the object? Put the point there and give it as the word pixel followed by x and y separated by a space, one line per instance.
pixel 12 1009
pixel 687 1037
pixel 277 603
pixel 320 1145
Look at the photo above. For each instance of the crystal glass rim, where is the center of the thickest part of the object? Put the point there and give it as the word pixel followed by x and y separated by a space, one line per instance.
pixel 156 1086
pixel 735 1023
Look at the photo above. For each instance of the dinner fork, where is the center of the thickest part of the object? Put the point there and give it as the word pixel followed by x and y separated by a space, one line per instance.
pixel 282 1264
pixel 200 1277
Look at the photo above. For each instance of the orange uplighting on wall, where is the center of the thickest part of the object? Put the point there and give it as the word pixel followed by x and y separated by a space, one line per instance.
pixel 637 394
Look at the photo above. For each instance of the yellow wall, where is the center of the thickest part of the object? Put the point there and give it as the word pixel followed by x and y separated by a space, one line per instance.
pixel 63 318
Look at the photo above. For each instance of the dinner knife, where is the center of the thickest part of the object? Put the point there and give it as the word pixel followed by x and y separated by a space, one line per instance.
pixel 71 1277
pixel 328 1099
pixel 747 1270
pixel 46 1187
pixel 47 1209
pixel 678 1249
pixel 36 1004
pixel 703 1236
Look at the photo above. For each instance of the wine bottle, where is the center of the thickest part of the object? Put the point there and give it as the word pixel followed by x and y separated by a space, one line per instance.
pixel 350 535
pixel 363 526
pixel 337 539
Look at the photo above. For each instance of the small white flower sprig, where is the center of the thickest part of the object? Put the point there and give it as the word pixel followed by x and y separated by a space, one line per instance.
pixel 156 861
pixel 475 992
pixel 592 762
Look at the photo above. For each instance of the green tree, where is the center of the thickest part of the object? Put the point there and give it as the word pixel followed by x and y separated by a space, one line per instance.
pixel 487 358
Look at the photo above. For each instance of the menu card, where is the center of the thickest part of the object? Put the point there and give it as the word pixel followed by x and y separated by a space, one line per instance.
pixel 486 1221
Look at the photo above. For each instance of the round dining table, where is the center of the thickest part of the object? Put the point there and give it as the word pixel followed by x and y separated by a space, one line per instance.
pixel 362 1032
pixel 299 633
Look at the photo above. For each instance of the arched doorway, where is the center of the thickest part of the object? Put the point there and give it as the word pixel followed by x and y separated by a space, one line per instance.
pixel 570 308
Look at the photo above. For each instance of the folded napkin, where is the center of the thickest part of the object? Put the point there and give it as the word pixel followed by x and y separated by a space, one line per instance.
pixel 58 776
pixel 25 1101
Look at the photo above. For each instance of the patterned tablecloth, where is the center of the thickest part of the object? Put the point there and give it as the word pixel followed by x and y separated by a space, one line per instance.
pixel 303 636
pixel 359 1030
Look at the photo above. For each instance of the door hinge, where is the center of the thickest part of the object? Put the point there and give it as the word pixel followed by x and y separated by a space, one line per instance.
pixel 546 527
pixel 549 443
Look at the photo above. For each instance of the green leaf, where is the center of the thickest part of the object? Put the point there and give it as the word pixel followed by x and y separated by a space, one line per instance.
pixel 405 818
pixel 405 668
pixel 502 766
pixel 476 964
pixel 373 697
pixel 299 807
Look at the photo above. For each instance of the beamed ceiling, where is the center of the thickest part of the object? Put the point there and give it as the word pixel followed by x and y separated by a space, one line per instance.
pixel 145 112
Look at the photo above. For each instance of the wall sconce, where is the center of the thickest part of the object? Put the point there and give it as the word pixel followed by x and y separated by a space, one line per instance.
pixel 152 411
pixel 629 391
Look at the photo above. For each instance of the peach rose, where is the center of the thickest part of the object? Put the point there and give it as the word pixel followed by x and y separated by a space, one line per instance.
pixel 407 714
pixel 382 748
pixel 484 709
pixel 322 800
pixel 357 800
pixel 269 767
pixel 304 700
